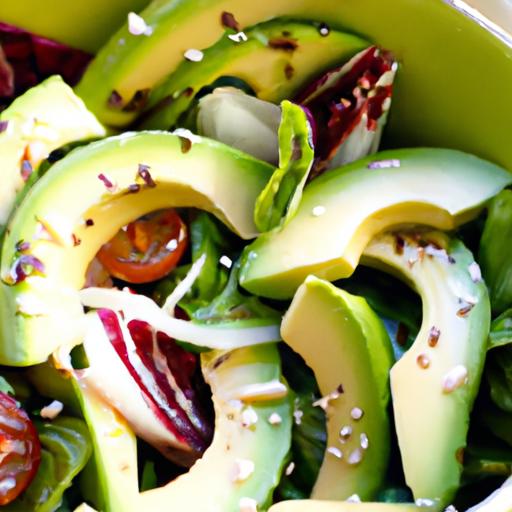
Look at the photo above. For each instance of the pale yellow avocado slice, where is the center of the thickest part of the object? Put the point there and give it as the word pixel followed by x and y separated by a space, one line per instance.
pixel 343 209
pixel 216 482
pixel 81 203
pixel 435 383
pixel 344 506
pixel 347 347
pixel 46 117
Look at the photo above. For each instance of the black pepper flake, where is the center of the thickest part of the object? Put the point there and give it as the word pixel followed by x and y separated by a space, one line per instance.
pixel 340 389
pixel 402 334
pixel 115 100
pixel 133 188
pixel 89 222
pixel 283 43
pixel 26 170
pixel 464 312
pixel 3 126
pixel 433 336
pixel 22 246
pixel 145 175
pixel 138 101
pixel 186 144
pixel 289 71
pixel 324 29
pixel 399 245
pixel 228 20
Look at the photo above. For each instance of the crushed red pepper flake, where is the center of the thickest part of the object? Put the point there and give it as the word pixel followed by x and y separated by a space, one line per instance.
pixel 228 20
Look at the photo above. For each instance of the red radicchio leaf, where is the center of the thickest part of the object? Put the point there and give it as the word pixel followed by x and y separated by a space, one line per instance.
pixel 339 99
pixel 188 421
pixel 32 58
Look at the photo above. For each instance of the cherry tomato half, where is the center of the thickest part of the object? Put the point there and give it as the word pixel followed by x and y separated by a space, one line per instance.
pixel 147 249
pixel 20 450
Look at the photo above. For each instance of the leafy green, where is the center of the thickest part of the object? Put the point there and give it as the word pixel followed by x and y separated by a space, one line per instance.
pixel 65 449
pixel 5 387
pixel 495 257
pixel 280 198
pixel 501 330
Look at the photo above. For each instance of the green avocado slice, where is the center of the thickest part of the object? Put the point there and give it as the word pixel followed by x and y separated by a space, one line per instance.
pixel 344 506
pixel 347 347
pixel 342 210
pixel 46 117
pixel 273 70
pixel 435 383
pixel 472 62
pixel 83 200
pixel 216 483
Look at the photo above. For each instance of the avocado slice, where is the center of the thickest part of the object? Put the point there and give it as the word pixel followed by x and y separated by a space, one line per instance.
pixel 46 117
pixel 217 481
pixel 83 200
pixel 432 93
pixel 344 506
pixel 58 19
pixel 434 384
pixel 342 210
pixel 351 361
pixel 273 70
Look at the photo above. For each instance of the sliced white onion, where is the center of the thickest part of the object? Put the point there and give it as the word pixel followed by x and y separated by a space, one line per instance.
pixel 184 286
pixel 139 307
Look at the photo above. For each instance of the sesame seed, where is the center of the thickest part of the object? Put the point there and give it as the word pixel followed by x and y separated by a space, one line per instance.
pixel 356 413
pixel 324 29
pixel 384 164
pixel 365 443
pixel 345 433
pixel 137 26
pixel 354 498
pixel 355 457
pixel 433 336
pixel 289 469
pixel 317 211
pixel 275 419
pixel 249 417
pixel 424 502
pixel 475 272
pixel 455 378
pixel 248 505
pixel 242 470
pixel 226 261
pixel 335 451
pixel 423 361
pixel 194 55
pixel 239 37
pixel 298 414
pixel 52 410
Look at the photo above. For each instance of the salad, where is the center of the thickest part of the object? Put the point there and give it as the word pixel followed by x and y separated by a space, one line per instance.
pixel 246 266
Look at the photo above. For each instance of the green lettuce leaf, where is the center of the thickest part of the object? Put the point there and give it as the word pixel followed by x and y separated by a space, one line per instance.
pixel 280 199
pixel 495 257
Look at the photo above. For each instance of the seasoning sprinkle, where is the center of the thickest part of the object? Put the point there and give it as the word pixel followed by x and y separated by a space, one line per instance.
pixel 433 336
pixel 345 433
pixel 246 504
pixel 194 55
pixel 423 361
pixel 249 417
pixel 335 451
pixel 289 469
pixel 364 441
pixel 298 414
pixel 228 20
pixel 384 164
pixel 475 272
pixel 239 37
pixel 242 470
pixel 455 378
pixel 137 25
pixel 355 457
pixel 275 419
pixel 356 413
pixel 464 311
